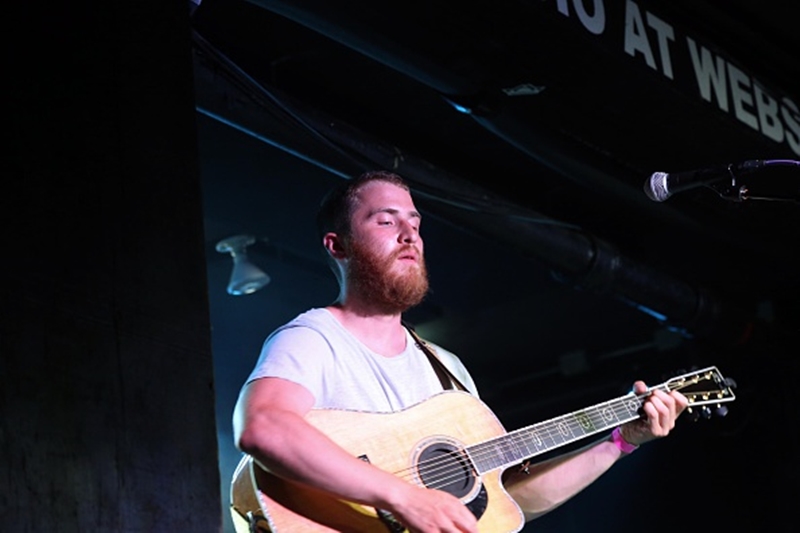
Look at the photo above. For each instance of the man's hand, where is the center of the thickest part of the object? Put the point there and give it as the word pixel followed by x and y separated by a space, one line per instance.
pixel 661 409
pixel 433 511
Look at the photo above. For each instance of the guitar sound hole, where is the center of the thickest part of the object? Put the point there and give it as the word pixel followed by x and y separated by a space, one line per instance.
pixel 445 467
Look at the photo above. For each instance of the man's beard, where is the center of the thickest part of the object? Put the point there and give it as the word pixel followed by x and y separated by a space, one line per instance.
pixel 391 292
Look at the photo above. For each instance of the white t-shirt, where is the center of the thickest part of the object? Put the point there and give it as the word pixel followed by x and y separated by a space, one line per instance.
pixel 314 350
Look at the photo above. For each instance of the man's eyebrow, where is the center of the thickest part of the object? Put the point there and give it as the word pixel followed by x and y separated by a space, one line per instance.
pixel 395 211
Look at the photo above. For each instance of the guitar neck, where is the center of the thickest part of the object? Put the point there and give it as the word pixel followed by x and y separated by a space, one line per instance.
pixel 516 446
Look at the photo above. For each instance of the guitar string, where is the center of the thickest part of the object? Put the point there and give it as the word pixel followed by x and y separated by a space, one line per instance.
pixel 547 431
pixel 559 431
pixel 569 428
pixel 573 430
pixel 440 472
pixel 577 425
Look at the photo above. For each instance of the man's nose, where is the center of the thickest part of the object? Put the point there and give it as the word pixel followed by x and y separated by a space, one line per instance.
pixel 408 233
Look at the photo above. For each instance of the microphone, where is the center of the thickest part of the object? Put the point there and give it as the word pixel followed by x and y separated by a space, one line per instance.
pixel 662 185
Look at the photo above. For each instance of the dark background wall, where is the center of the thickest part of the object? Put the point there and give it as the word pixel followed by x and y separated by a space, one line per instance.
pixel 106 382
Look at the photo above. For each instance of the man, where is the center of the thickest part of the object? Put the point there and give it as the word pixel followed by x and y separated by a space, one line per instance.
pixel 356 354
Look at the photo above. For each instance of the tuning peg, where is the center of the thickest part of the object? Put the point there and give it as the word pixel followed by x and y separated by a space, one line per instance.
pixel 705 412
pixel 721 411
pixel 693 415
pixel 730 382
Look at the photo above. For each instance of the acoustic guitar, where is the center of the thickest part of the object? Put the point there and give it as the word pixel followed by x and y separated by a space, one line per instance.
pixel 451 441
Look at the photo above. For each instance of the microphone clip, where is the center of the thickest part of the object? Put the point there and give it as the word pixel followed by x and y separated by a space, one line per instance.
pixel 735 191
pixel 732 190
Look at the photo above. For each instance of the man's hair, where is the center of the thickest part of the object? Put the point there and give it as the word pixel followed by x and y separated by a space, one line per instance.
pixel 337 207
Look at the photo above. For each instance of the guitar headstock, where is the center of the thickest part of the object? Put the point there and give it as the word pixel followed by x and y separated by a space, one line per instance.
pixel 704 388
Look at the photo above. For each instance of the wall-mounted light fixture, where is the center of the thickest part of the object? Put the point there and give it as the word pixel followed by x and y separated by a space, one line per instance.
pixel 246 278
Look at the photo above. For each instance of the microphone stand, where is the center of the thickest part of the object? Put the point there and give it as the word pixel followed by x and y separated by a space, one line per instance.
pixel 736 192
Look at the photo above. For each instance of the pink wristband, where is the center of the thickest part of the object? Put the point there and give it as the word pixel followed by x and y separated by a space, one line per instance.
pixel 623 445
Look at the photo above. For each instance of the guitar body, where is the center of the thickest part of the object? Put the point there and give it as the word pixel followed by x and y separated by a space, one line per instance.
pixel 436 430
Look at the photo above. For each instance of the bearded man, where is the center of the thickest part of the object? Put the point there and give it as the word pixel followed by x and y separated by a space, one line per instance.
pixel 357 355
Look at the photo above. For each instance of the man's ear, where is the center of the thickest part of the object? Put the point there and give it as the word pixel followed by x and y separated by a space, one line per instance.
pixel 334 245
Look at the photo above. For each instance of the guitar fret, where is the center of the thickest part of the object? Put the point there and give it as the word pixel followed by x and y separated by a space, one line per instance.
pixel 534 442
pixel 608 414
pixel 597 418
pixel 632 405
pixel 519 449
pixel 490 455
pixel 585 421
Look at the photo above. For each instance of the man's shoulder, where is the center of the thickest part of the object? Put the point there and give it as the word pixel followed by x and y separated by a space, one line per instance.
pixel 317 323
pixel 316 316
pixel 310 320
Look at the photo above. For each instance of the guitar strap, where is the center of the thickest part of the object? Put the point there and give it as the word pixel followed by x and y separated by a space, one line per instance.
pixel 448 380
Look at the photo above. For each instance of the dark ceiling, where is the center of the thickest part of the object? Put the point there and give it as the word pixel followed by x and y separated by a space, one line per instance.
pixel 528 130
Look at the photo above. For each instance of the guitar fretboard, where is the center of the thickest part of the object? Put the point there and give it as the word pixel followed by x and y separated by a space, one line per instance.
pixel 527 442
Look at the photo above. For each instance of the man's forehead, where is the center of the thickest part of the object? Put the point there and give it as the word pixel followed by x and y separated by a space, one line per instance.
pixel 381 194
